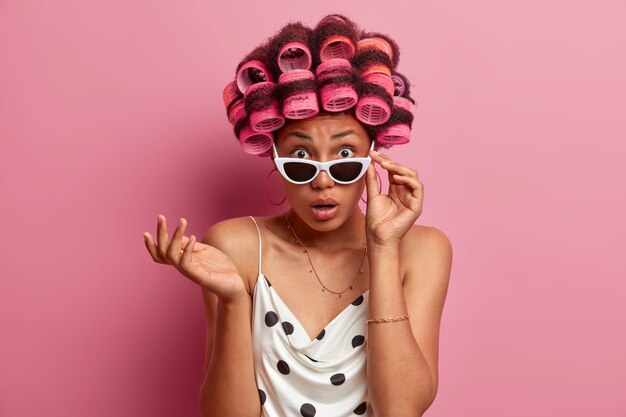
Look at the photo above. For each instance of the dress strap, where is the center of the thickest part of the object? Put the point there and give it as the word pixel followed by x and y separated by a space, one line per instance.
pixel 260 246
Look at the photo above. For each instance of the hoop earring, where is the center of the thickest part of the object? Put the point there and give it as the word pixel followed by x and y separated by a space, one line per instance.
pixel 267 195
pixel 380 185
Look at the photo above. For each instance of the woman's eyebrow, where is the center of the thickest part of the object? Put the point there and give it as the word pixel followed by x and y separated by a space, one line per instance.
pixel 299 135
pixel 343 134
pixel 338 135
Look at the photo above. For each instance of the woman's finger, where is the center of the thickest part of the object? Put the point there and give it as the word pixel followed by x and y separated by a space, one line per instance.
pixel 162 238
pixel 409 181
pixel 399 169
pixel 152 249
pixel 173 251
pixel 185 259
pixel 371 182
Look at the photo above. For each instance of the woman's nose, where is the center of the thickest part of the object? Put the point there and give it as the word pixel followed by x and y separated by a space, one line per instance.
pixel 323 180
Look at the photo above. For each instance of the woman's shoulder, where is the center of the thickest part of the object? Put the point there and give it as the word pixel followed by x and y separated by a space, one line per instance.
pixel 237 238
pixel 424 244
pixel 424 237
pixel 235 231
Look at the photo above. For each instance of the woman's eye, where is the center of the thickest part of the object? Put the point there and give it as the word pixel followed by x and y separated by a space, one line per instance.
pixel 300 153
pixel 346 153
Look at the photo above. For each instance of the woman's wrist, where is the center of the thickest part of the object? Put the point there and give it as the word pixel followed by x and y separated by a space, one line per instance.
pixel 235 301
pixel 383 247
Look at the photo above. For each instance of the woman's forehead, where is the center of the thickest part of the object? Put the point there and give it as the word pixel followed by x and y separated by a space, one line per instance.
pixel 324 127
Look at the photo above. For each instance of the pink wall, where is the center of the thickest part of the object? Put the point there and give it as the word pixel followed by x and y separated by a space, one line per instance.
pixel 109 113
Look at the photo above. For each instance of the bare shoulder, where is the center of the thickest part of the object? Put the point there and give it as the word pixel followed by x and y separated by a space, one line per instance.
pixel 425 248
pixel 230 233
pixel 237 238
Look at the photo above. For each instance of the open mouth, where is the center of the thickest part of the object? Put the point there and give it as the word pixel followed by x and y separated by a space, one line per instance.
pixel 324 206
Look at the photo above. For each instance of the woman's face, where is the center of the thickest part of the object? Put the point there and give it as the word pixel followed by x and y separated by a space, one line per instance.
pixel 322 203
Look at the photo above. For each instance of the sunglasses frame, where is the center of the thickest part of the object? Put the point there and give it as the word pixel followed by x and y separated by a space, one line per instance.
pixel 321 166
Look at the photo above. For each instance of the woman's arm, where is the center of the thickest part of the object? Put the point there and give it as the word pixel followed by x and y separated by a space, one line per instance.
pixel 403 356
pixel 229 385
pixel 403 352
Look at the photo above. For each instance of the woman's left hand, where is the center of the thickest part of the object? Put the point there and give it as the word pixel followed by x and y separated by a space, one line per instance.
pixel 390 216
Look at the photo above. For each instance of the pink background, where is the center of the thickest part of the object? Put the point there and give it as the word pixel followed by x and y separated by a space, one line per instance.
pixel 110 112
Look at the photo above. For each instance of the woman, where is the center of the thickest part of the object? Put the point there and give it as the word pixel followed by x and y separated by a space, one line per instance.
pixel 321 310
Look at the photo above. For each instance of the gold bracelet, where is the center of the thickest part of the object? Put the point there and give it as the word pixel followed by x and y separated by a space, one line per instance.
pixel 391 320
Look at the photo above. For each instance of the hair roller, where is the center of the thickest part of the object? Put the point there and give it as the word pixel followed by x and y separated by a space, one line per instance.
pixel 233 100
pixel 374 105
pixel 335 36
pixel 398 85
pixel 379 44
pixel 397 130
pixel 382 39
pixel 337 92
pixel 290 47
pixel 374 65
pixel 254 142
pixel 402 86
pixel 297 92
pixel 294 56
pixel 262 107
pixel 252 72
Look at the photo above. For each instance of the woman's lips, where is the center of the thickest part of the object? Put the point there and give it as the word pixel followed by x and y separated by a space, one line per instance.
pixel 324 211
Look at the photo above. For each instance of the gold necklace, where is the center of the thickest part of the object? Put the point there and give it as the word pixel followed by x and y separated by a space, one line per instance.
pixel 324 287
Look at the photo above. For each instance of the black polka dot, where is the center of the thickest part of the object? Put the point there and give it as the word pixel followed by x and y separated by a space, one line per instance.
pixel 262 396
pixel 360 410
pixel 283 368
pixel 321 335
pixel 337 379
pixel 357 341
pixel 307 410
pixel 271 318
pixel 287 327
pixel 358 301
pixel 312 360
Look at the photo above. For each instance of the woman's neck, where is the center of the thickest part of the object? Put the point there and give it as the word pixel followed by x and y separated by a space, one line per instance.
pixel 350 235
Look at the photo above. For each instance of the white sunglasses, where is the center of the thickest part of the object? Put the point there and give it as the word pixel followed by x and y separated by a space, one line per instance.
pixel 303 171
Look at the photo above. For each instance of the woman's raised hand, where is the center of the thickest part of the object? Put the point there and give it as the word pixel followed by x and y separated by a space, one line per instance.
pixel 390 216
pixel 203 264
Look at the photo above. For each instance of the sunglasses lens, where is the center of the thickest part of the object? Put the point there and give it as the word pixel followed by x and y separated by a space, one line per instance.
pixel 346 171
pixel 299 171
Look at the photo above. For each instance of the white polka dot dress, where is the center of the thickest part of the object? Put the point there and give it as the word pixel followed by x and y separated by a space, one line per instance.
pixel 297 376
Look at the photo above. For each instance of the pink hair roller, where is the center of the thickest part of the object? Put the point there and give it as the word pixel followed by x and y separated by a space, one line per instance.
pixel 231 92
pixel 399 86
pixel 375 43
pixel 337 46
pixel 402 103
pixel 300 104
pixel 294 56
pixel 252 72
pixel 255 143
pixel 333 68
pixel 372 110
pixel 268 118
pixel 382 80
pixel 337 97
pixel 397 134
pixel 237 112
